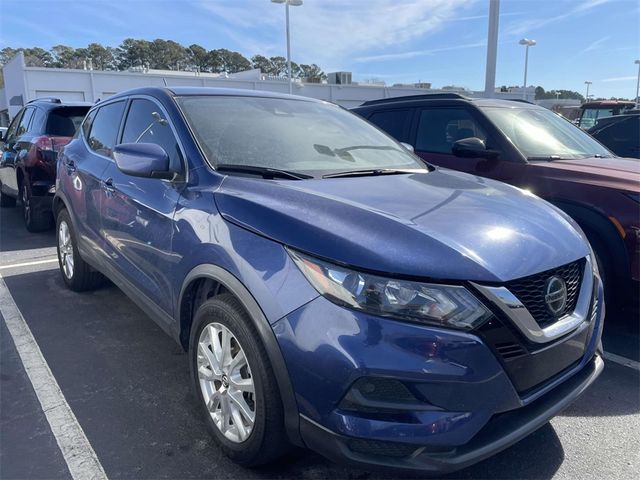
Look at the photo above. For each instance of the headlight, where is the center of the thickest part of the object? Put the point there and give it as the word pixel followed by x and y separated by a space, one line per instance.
pixel 441 305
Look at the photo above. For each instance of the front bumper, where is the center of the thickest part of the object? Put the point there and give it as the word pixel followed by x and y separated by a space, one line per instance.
pixel 469 405
pixel 502 431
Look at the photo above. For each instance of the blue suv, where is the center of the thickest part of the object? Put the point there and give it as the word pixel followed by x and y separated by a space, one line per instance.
pixel 331 289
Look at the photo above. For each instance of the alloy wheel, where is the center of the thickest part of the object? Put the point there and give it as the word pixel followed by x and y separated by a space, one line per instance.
pixel 226 382
pixel 65 247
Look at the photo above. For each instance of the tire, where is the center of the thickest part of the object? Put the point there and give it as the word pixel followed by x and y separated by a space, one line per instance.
pixel 265 440
pixel 34 221
pixel 5 200
pixel 605 265
pixel 76 273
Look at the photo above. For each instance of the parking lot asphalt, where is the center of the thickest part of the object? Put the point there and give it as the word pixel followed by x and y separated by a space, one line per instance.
pixel 127 384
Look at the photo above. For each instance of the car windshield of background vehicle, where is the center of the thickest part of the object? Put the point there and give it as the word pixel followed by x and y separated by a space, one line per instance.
pixel 296 136
pixel 540 134
pixel 64 122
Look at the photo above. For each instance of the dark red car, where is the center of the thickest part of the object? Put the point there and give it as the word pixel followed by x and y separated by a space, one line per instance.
pixel 533 148
pixel 29 151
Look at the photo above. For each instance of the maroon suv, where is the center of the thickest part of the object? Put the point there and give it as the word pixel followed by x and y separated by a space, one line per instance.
pixel 534 149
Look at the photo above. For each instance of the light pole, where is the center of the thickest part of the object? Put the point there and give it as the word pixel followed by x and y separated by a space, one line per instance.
pixel 588 84
pixel 637 62
pixel 293 3
pixel 528 43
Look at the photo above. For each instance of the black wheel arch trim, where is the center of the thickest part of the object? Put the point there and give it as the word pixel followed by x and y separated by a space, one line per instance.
pixel 265 331
pixel 598 223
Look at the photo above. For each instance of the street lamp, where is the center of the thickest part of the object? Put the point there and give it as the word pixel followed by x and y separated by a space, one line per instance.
pixel 528 43
pixel 587 83
pixel 293 3
pixel 637 62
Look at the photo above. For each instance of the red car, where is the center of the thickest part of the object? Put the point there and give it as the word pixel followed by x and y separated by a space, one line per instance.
pixel 533 148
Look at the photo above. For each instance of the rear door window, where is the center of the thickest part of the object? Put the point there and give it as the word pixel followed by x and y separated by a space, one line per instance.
pixel 13 128
pixel 63 122
pixel 440 128
pixel 395 122
pixel 105 127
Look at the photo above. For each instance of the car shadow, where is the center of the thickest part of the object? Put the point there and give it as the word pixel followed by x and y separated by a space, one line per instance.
pixel 14 235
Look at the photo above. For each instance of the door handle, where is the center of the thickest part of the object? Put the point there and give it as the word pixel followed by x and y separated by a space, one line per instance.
pixel 108 185
pixel 71 165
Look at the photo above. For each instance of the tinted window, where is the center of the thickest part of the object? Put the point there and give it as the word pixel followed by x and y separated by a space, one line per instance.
pixel 146 124
pixel 14 125
pixel 623 137
pixel 39 118
pixel 394 122
pixel 104 128
pixel 86 125
pixel 63 122
pixel 440 128
pixel 24 123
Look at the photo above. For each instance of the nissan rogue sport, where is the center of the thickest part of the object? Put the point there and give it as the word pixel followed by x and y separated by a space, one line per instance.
pixel 331 289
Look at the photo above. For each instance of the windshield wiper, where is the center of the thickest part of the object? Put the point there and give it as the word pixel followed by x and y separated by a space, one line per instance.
pixel 265 172
pixel 373 172
pixel 547 158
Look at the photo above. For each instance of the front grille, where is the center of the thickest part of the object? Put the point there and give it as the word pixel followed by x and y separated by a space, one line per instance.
pixel 531 291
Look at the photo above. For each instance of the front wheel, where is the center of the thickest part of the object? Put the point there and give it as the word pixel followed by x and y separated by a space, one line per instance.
pixel 76 273
pixel 235 384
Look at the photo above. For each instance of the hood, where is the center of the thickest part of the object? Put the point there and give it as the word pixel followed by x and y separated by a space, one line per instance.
pixel 617 172
pixel 442 225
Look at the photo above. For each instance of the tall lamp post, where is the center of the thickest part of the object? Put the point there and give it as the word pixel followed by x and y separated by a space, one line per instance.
pixel 588 84
pixel 527 43
pixel 637 62
pixel 293 3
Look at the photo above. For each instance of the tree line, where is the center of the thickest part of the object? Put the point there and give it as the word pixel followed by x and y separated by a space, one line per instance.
pixel 161 55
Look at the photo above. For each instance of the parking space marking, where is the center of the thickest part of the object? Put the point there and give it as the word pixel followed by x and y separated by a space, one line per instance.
pixel 28 264
pixel 620 360
pixel 80 457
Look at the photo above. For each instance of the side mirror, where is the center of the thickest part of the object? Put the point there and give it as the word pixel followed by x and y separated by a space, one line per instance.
pixel 143 160
pixel 473 147
pixel 407 146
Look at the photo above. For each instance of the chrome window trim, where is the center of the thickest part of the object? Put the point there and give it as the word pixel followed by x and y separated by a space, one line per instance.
pixel 509 304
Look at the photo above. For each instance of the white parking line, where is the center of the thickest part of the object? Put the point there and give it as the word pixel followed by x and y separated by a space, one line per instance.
pixel 620 360
pixel 74 445
pixel 27 264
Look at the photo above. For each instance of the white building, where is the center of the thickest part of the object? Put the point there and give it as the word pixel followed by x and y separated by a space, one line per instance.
pixel 23 84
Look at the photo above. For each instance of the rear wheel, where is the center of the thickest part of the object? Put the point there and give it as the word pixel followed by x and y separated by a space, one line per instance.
pixel 34 220
pixel 235 383
pixel 76 273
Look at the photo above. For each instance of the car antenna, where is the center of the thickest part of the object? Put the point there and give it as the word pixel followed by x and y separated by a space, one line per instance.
pixel 165 81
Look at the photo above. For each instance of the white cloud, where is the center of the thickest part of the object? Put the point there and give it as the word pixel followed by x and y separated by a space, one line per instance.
pixel 595 45
pixel 619 79
pixel 526 26
pixel 419 53
pixel 332 31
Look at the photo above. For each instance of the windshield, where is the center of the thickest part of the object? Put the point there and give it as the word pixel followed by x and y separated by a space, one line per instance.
pixel 293 135
pixel 540 134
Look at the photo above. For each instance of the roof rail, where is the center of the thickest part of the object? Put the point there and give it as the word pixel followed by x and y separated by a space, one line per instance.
pixel 46 99
pixel 521 100
pixel 424 96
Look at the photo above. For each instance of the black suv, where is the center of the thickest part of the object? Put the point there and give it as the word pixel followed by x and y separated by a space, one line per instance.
pixel 620 133
pixel 29 152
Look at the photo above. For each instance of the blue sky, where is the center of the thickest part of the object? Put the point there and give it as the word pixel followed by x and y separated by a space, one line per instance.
pixel 438 41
